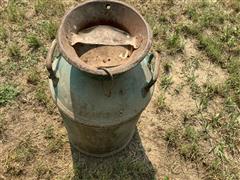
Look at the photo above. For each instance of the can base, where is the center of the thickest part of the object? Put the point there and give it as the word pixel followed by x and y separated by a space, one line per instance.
pixel 105 154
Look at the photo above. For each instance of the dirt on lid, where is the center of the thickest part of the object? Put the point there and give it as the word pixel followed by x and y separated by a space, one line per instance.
pixel 103 46
pixel 103 56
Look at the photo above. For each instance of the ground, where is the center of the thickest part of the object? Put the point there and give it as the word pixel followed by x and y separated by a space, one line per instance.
pixel 191 128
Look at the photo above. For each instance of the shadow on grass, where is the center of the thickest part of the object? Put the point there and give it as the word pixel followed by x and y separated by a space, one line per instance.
pixel 131 163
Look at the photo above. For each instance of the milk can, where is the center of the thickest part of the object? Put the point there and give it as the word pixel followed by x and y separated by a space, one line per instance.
pixel 100 105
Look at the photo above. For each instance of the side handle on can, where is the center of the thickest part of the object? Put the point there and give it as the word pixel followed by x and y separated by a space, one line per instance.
pixel 49 60
pixel 154 66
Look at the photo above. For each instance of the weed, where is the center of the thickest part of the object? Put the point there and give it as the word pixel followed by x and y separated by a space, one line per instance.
pixel 166 178
pixel 175 43
pixel 19 157
pixel 219 151
pixel 231 133
pixel 190 151
pixel 2 128
pixel 42 171
pixel 33 41
pixel 41 95
pixel 213 48
pixel 189 29
pixel 14 51
pixel 191 13
pixel 191 134
pixel 166 82
pixel 230 36
pixel 167 68
pixel 206 94
pixel 55 144
pixel 211 18
pixel 14 12
pixel 7 93
pixel 216 120
pixel 49 132
pixel 33 77
pixel 3 34
pixel 233 82
pixel 179 88
pixel 161 102
pixel 172 137
pixel 49 8
pixel 49 28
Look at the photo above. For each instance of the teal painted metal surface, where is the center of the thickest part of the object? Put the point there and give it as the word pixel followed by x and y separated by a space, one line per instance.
pixel 99 124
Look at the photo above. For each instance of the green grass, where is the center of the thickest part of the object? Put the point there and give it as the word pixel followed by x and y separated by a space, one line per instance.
pixel 49 8
pixel 42 171
pixel 41 95
pixel 166 82
pixel 14 11
pixel 161 102
pixel 8 93
pixel 174 43
pixel 172 137
pixel 55 144
pixel 3 34
pixel 14 51
pixel 49 132
pixel 191 134
pixel 33 77
pixel 3 127
pixel 33 41
pixel 17 159
pixel 49 29
pixel 213 48
pixel 190 151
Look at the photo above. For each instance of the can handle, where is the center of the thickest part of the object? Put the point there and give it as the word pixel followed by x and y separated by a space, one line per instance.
pixel 49 60
pixel 154 58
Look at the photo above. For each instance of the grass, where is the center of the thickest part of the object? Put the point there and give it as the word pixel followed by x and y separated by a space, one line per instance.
pixel 174 43
pixel 161 102
pixel 55 144
pixel 49 8
pixel 49 132
pixel 55 141
pixel 166 82
pixel 41 95
pixel 190 134
pixel 122 167
pixel 42 171
pixel 3 34
pixel 49 29
pixel 33 41
pixel 3 128
pixel 34 78
pixel 14 51
pixel 21 155
pixel 8 93
pixel 213 48
pixel 190 151
pixel 172 138
pixel 14 11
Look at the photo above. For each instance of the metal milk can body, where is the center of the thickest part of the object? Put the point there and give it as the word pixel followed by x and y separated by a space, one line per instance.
pixel 100 114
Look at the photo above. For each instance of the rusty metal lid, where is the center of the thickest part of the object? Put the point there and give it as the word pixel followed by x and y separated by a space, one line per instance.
pixel 104 12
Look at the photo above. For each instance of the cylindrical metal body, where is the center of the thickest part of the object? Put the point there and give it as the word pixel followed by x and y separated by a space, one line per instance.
pixel 100 113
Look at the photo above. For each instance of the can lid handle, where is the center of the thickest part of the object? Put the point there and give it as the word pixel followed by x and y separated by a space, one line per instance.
pixel 154 58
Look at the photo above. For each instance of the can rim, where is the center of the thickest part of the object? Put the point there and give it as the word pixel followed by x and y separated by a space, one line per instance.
pixel 93 70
